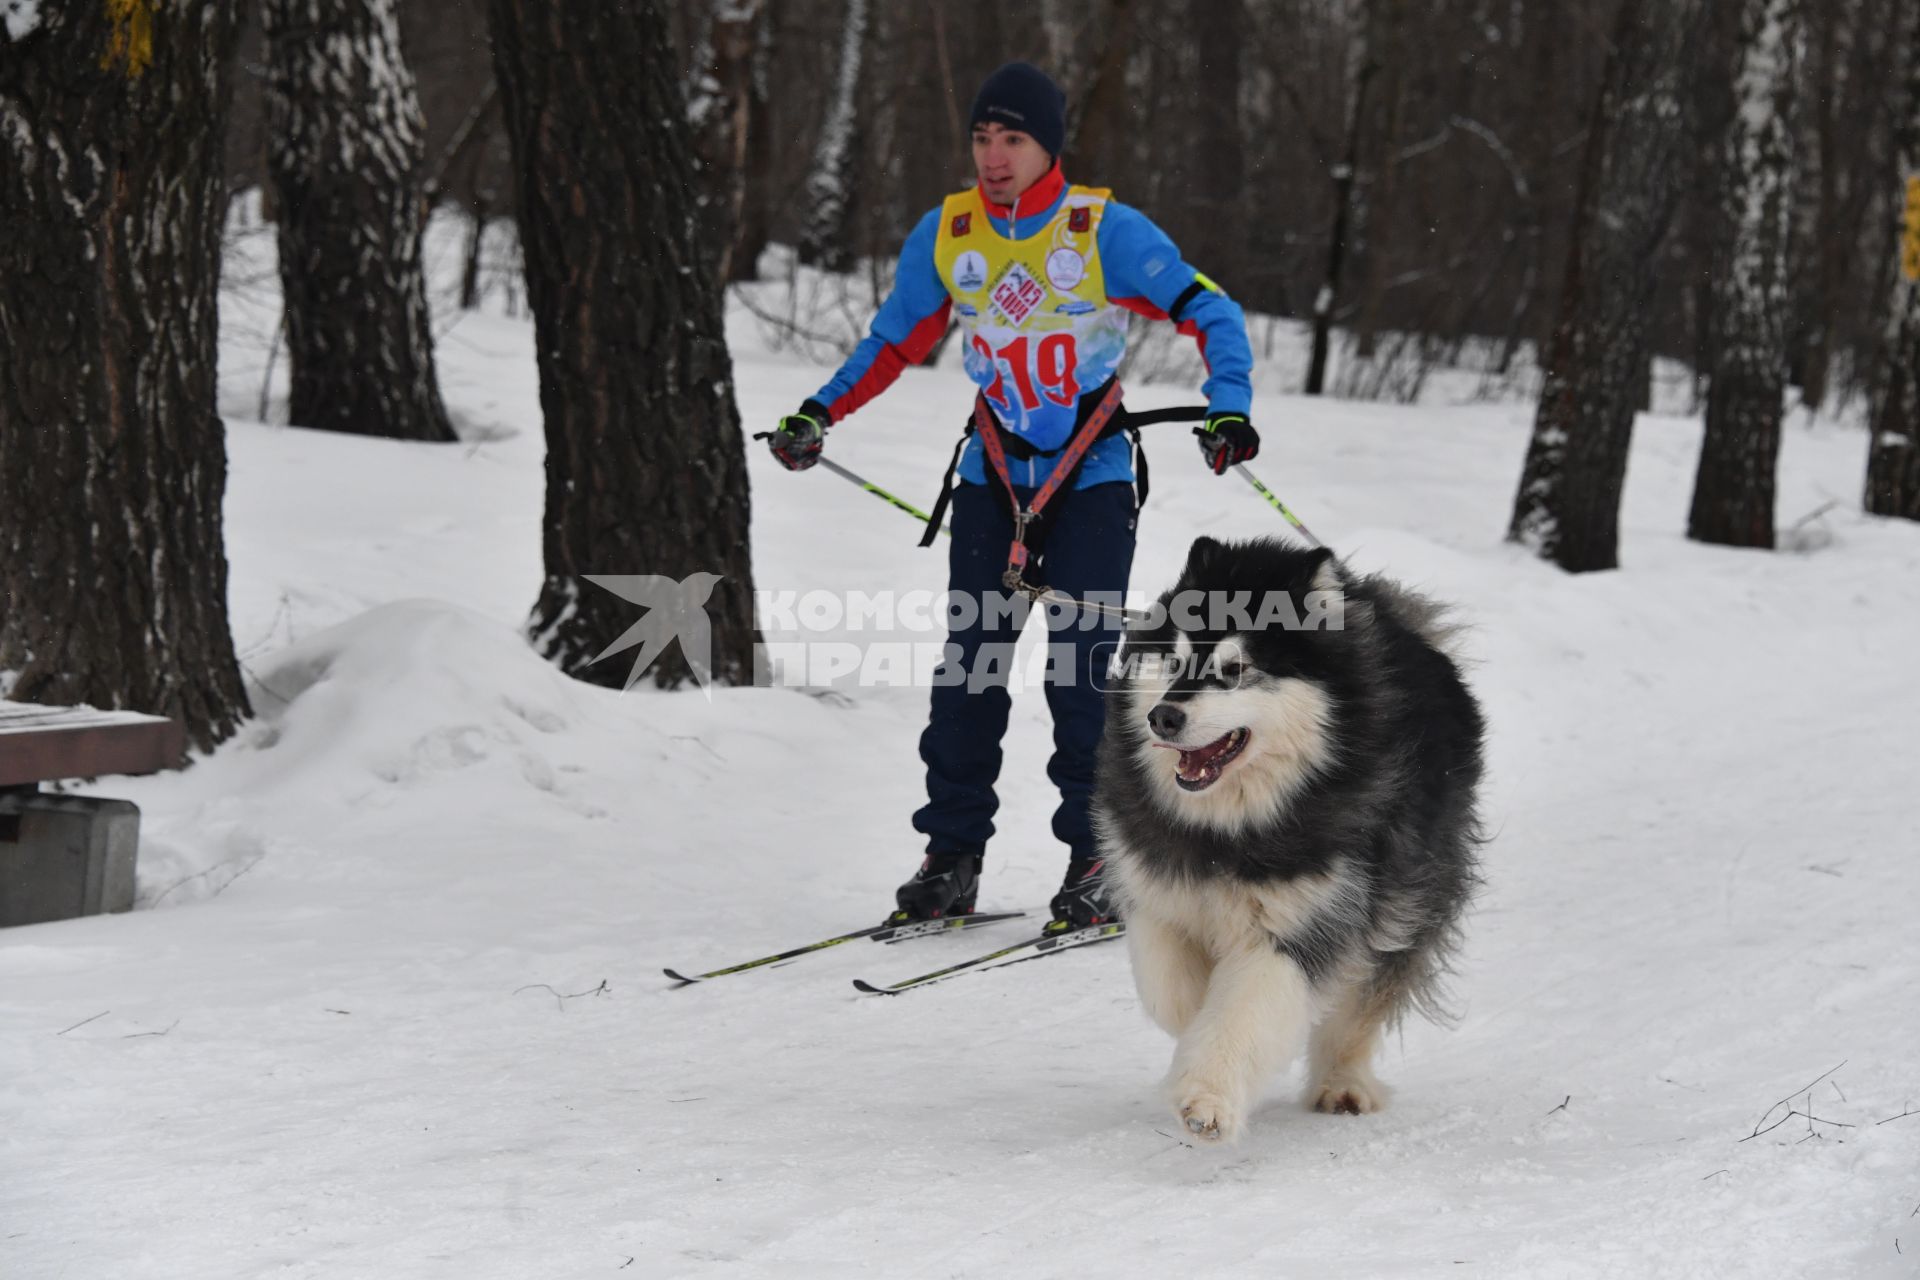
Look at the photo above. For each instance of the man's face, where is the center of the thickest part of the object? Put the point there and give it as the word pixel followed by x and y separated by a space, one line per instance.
pixel 1008 161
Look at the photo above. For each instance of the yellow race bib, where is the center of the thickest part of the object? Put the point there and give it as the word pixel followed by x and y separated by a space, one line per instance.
pixel 1039 328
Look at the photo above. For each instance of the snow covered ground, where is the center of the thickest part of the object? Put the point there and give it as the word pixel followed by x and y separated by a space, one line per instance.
pixel 392 1006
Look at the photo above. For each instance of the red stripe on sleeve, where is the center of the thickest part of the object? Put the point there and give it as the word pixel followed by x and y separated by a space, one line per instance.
pixel 892 359
pixel 1140 307
pixel 1199 337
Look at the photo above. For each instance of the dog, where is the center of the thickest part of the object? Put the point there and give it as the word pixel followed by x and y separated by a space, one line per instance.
pixel 1286 803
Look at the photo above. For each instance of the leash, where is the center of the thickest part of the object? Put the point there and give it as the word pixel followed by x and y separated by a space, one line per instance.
pixel 1066 466
pixel 1015 577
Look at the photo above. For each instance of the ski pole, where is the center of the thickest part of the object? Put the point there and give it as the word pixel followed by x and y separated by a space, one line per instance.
pixel 878 492
pixel 872 488
pixel 1278 505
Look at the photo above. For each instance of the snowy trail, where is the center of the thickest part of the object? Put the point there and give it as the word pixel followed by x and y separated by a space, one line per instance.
pixel 1700 895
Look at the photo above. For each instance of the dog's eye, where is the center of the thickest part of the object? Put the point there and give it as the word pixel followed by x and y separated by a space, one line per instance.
pixel 1232 670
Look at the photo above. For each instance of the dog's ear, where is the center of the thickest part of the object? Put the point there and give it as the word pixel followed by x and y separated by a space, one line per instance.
pixel 1202 557
pixel 1323 572
pixel 1324 576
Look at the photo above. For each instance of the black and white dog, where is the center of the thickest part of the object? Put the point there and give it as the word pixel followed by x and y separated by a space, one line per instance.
pixel 1286 804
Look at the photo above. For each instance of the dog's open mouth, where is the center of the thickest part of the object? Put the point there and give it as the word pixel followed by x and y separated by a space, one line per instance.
pixel 1200 767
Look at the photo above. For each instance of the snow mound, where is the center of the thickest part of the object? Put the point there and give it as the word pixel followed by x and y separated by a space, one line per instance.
pixel 401 695
pixel 417 709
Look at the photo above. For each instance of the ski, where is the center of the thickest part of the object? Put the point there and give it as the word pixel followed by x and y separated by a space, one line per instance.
pixel 1032 949
pixel 878 933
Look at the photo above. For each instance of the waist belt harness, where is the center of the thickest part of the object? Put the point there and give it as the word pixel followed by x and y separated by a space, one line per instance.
pixel 1101 416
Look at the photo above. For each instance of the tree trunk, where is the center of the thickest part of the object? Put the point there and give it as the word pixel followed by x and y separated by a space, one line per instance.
pixel 1747 340
pixel 113 571
pixel 1097 111
pixel 1346 196
pixel 719 111
pixel 826 237
pixel 1893 456
pixel 478 213
pixel 1568 505
pixel 1220 32
pixel 756 198
pixel 1387 55
pixel 1822 265
pixel 646 474
pixel 346 159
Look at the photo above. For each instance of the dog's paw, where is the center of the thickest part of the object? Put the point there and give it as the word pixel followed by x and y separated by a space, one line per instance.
pixel 1208 1116
pixel 1349 1093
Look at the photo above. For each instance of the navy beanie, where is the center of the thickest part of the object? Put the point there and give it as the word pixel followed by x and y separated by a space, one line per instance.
pixel 1022 96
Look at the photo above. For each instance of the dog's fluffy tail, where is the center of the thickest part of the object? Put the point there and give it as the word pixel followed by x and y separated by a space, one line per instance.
pixel 1418 979
pixel 1418 934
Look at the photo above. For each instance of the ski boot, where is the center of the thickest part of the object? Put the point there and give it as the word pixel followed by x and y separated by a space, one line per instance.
pixel 945 885
pixel 1084 898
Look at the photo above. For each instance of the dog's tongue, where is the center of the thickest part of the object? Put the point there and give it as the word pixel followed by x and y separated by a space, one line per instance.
pixel 1194 763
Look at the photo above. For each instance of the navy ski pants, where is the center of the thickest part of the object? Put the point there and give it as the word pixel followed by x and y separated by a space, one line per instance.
pixel 1088 550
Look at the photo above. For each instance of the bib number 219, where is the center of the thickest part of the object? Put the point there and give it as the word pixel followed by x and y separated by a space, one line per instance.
pixel 1039 369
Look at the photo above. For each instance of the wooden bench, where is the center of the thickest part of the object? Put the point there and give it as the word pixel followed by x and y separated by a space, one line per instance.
pixel 66 855
pixel 42 744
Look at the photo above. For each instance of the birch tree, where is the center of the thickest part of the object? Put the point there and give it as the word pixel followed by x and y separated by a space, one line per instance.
pixel 345 152
pixel 1567 509
pixel 1733 492
pixel 827 230
pixel 113 572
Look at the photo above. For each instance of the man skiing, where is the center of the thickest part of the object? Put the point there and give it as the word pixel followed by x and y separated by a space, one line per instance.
pixel 1041 275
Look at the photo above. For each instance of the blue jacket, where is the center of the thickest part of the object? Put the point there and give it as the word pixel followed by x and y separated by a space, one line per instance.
pixel 1144 272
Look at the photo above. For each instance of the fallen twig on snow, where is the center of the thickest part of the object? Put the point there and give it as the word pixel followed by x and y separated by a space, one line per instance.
pixel 104 1012
pixel 162 1031
pixel 688 737
pixel 1813 515
pixel 1902 1116
pixel 1563 1105
pixel 1170 1138
pixel 1787 1102
pixel 201 875
pixel 563 997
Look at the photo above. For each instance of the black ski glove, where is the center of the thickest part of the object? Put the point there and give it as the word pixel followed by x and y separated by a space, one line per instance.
pixel 797 442
pixel 1227 439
